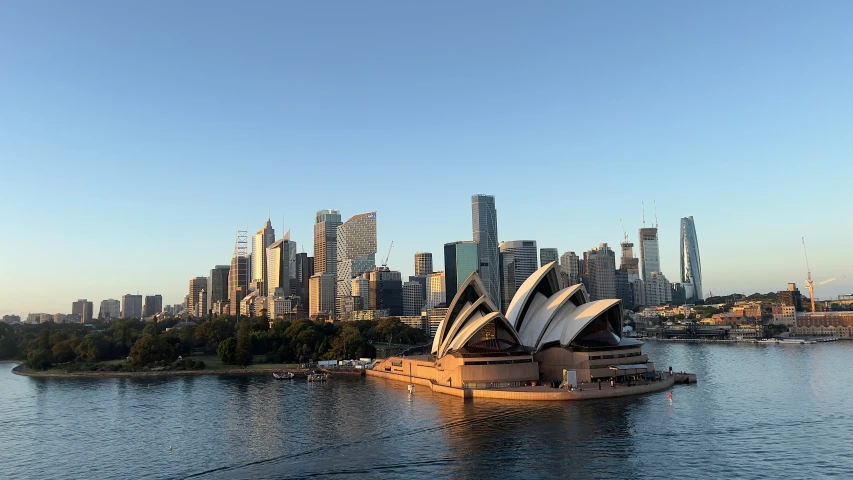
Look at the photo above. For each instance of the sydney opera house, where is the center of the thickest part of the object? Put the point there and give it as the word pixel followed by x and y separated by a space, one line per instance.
pixel 549 336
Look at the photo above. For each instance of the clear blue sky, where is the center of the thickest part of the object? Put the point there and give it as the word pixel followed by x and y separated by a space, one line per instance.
pixel 136 136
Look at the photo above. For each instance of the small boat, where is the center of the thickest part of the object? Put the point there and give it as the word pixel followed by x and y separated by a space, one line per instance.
pixel 790 341
pixel 283 376
pixel 318 377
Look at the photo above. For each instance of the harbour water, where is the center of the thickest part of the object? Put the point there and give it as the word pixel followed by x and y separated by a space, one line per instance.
pixel 759 411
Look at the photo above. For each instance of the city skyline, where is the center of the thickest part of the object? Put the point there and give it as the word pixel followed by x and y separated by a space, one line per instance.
pixel 681 96
pixel 406 267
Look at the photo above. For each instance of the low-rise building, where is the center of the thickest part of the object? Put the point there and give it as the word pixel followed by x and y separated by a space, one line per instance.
pixel 834 324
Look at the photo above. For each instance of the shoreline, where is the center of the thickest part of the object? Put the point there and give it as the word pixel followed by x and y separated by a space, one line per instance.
pixel 237 372
pixel 538 393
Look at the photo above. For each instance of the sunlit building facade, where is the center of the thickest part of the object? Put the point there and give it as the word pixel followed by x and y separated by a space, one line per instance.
pixel 691 265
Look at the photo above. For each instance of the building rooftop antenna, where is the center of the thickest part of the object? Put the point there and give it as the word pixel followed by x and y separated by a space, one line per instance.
pixel 644 214
pixel 624 233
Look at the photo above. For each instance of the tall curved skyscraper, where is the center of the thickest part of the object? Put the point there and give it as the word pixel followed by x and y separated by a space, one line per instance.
pixel 691 266
pixel 484 218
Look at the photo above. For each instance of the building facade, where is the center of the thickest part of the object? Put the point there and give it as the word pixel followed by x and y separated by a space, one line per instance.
pixel 386 291
pixel 484 219
pixel 278 267
pixel 238 273
pixel 507 268
pixel 197 284
pixel 691 266
pixel 110 310
pixel 524 261
pixel 600 263
pixel 649 252
pixel 570 269
pixel 322 295
pixel 658 289
pixel 304 271
pixel 548 255
pixel 423 263
pixel 461 259
pixel 436 295
pixel 152 305
pixel 356 242
pixel 131 306
pixel 83 308
pixel 217 285
pixel 261 240
pixel 413 298
pixel 326 241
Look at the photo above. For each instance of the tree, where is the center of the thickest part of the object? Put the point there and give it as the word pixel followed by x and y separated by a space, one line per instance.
pixel 212 332
pixel 64 351
pixel 93 347
pixel 40 359
pixel 227 351
pixel 150 330
pixel 244 344
pixel 346 346
pixel 148 350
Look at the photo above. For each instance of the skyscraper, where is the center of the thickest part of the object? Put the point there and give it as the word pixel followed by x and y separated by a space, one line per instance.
pixel 110 310
pixel 600 263
pixel 278 267
pixel 154 305
pixel 386 291
pixel 217 285
pixel 423 263
pixel 691 267
pixel 508 289
pixel 238 280
pixel 649 252
pixel 460 261
pixel 304 271
pixel 413 298
pixel 261 240
pixel 628 273
pixel 658 289
pixel 326 241
pixel 525 254
pixel 570 268
pixel 356 242
pixel 83 308
pixel 548 255
pixel 436 290
pixel 322 295
pixel 131 306
pixel 197 284
pixel 484 219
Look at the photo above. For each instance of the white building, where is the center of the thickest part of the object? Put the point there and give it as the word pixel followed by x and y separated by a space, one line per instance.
pixel 110 309
pixel 658 289
pixel 649 252
pixel 321 294
pixel 278 267
pixel 436 293
pixel 261 240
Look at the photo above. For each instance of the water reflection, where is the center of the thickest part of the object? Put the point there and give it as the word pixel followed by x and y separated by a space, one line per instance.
pixel 758 411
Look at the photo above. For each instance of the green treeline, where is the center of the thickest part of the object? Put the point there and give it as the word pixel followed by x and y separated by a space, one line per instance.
pixel 77 347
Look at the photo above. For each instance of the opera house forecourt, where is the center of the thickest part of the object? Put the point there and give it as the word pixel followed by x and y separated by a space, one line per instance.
pixel 553 344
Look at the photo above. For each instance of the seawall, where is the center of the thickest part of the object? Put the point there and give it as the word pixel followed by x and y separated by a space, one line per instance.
pixel 539 393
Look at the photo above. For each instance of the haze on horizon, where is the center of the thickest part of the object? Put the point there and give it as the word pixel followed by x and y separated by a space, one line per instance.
pixel 135 139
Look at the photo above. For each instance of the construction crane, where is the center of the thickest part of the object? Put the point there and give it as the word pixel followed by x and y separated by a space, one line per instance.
pixel 385 263
pixel 624 233
pixel 809 283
